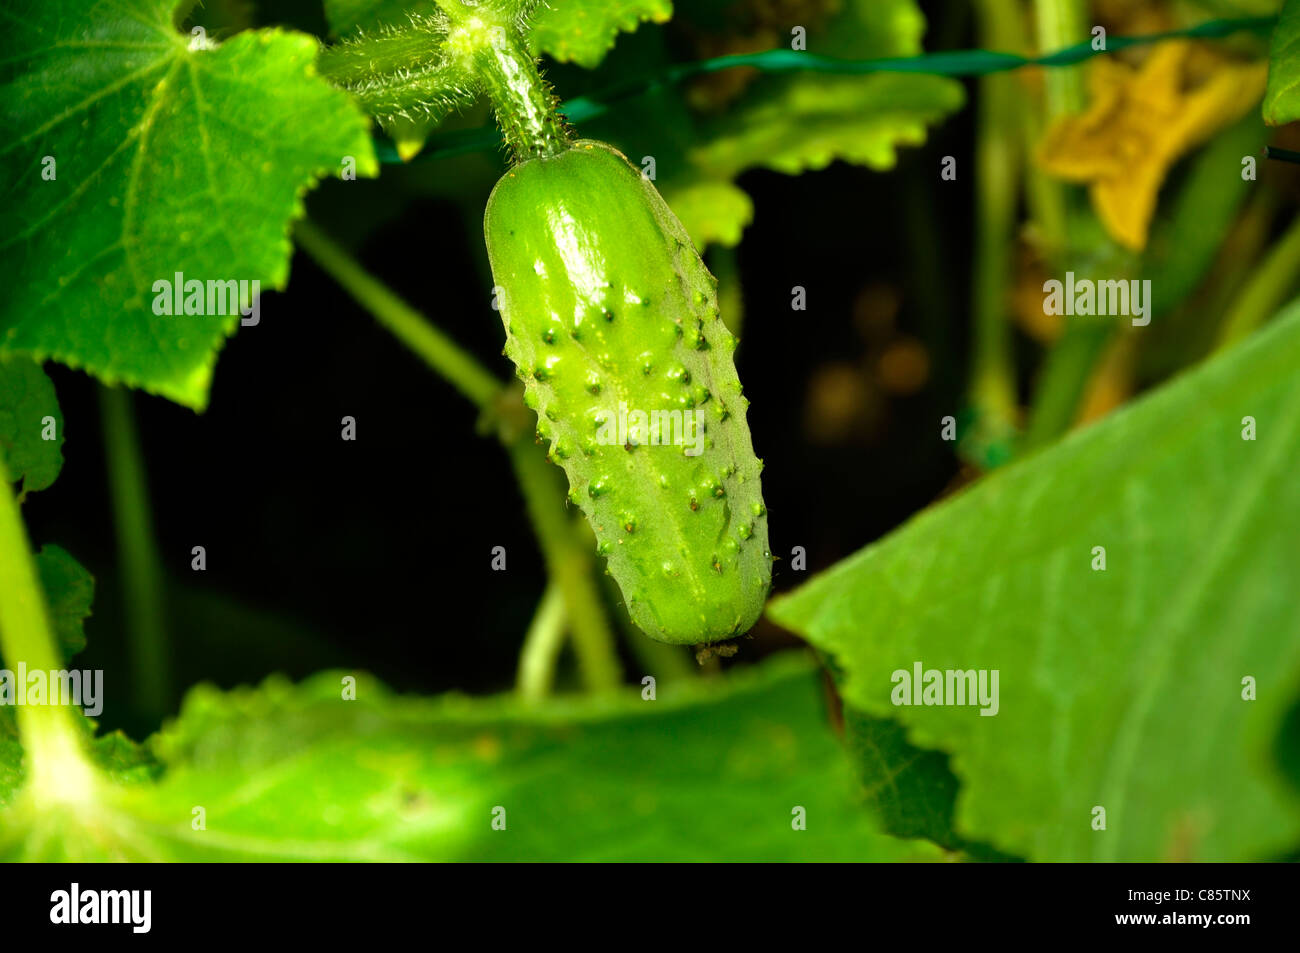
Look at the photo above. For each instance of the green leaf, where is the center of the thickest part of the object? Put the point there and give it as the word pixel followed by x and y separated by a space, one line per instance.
pixel 570 31
pixel 795 126
pixel 1120 688
pixel 790 123
pixel 1282 95
pixel 27 398
pixel 296 773
pixel 168 160
pixel 583 31
pixel 711 211
pixel 912 791
pixel 69 592
pixel 867 29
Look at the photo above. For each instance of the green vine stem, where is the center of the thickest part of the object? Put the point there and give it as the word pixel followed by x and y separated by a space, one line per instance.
pixel 568 560
pixel 570 563
pixel 542 645
pixel 142 574
pixel 57 768
pixel 1061 24
pixel 1058 208
pixel 445 356
pixel 1266 289
pixel 997 158
pixel 1064 377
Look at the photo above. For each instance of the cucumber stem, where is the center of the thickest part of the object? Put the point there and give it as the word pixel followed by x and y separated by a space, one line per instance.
pixel 525 106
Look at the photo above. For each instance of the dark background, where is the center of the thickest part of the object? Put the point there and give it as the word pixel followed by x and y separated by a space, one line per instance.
pixel 375 554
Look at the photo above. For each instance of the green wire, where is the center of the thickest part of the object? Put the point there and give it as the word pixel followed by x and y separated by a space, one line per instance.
pixel 949 63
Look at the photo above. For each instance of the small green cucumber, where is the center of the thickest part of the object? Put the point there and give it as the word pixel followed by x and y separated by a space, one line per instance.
pixel 609 311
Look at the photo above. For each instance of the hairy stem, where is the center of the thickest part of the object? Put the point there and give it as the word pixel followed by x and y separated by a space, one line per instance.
pixel 525 107
pixel 142 585
pixel 56 764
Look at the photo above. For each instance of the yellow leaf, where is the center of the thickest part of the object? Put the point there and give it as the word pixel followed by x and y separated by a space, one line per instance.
pixel 1139 122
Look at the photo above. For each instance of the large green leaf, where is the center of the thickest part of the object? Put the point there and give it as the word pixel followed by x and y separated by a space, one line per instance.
pixel 1282 96
pixel 27 399
pixel 1120 688
pixel 295 772
pixel 171 157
